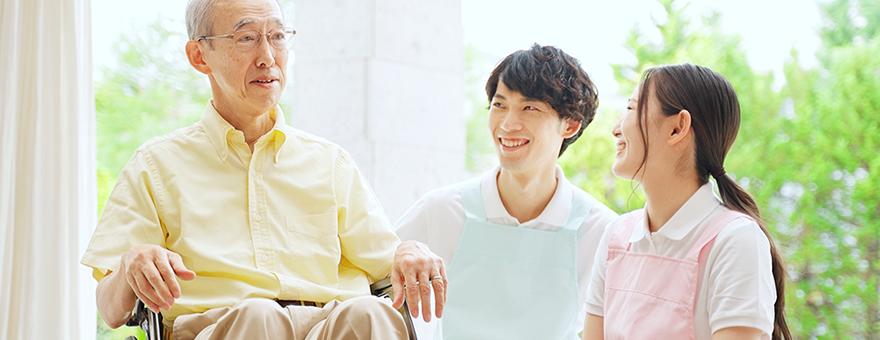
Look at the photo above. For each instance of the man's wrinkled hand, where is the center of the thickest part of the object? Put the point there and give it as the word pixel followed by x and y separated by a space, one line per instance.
pixel 415 274
pixel 150 271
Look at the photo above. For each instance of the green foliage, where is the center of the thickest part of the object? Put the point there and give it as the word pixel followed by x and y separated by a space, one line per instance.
pixel 847 22
pixel 808 153
pixel 587 163
pixel 480 154
pixel 833 203
pixel 150 92
pixel 105 333
pixel 650 54
pixel 682 40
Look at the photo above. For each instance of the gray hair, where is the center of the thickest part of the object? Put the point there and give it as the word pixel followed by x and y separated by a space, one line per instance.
pixel 200 16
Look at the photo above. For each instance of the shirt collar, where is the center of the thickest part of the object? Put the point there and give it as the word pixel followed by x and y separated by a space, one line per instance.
pixel 555 213
pixel 697 208
pixel 221 133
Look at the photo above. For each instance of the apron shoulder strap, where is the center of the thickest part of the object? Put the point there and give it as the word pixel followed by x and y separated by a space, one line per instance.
pixel 620 236
pixel 714 228
pixel 472 199
pixel 580 208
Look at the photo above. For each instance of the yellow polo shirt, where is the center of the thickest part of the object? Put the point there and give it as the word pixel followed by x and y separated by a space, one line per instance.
pixel 294 220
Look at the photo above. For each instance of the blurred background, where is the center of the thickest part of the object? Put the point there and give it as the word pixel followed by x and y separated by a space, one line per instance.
pixel 411 74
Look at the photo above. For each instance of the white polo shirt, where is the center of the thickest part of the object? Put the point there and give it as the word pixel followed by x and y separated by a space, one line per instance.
pixel 737 286
pixel 437 219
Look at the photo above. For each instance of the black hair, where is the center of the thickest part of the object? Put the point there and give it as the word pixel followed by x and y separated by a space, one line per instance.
pixel 548 74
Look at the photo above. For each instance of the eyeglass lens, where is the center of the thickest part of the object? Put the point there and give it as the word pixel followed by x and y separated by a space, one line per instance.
pixel 248 39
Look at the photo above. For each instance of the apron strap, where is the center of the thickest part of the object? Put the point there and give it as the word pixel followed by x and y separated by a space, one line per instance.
pixel 472 199
pixel 620 236
pixel 580 208
pixel 712 231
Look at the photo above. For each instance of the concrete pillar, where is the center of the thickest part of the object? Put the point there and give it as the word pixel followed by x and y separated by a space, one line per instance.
pixel 384 79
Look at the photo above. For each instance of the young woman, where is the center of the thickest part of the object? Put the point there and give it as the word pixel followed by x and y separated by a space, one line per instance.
pixel 689 265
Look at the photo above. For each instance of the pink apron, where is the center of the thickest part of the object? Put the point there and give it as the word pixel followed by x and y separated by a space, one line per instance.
pixel 650 296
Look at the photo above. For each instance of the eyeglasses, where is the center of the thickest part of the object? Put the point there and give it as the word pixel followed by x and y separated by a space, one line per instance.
pixel 246 40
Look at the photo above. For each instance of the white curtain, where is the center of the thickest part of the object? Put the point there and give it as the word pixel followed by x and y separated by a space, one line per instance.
pixel 47 169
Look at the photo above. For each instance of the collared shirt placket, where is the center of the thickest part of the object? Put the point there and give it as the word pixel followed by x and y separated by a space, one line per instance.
pixel 257 212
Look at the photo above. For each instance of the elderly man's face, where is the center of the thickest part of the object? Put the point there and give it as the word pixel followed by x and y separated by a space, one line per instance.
pixel 246 81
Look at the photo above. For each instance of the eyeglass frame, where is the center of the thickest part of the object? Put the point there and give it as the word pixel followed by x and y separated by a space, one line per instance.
pixel 286 30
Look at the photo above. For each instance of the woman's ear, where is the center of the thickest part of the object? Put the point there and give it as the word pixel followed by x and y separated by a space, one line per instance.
pixel 571 128
pixel 196 57
pixel 680 127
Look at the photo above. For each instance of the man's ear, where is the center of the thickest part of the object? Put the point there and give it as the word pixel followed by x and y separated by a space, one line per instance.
pixel 680 125
pixel 571 128
pixel 196 57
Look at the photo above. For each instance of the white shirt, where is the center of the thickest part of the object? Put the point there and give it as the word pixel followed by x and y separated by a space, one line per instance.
pixel 437 219
pixel 737 286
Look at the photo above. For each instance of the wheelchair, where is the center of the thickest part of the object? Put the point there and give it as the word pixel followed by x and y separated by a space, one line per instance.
pixel 151 323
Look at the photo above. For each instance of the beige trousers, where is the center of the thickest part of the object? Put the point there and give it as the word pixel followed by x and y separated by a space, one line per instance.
pixel 365 317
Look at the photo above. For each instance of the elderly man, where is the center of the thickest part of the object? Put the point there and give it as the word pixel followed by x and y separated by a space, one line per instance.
pixel 521 239
pixel 240 226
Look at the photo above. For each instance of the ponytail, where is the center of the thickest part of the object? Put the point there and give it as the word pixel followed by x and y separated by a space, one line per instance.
pixel 736 198
pixel 715 118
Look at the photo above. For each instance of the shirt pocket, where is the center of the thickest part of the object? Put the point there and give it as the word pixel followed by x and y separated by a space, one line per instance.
pixel 313 242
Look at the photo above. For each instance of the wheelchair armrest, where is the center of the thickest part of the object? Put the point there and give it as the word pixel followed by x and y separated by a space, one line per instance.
pixel 383 288
pixel 148 321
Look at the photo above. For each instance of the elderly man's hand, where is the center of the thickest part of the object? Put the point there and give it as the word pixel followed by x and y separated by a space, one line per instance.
pixel 150 271
pixel 417 272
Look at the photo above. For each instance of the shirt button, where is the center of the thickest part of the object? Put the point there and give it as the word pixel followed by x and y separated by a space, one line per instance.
pixel 258 217
pixel 264 257
pixel 253 173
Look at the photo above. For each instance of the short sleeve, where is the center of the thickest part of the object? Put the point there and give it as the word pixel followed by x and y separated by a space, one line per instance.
pixel 595 297
pixel 413 225
pixel 741 289
pixel 436 219
pixel 130 217
pixel 589 236
pixel 365 234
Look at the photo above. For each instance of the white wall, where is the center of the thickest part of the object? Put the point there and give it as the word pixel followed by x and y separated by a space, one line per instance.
pixel 384 79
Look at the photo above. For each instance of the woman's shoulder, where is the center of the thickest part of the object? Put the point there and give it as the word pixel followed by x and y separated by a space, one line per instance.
pixel 740 230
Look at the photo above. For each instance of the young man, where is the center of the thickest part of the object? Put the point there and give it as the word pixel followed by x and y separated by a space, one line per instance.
pixel 520 240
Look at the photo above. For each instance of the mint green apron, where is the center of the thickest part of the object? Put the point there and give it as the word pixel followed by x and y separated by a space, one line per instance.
pixel 508 282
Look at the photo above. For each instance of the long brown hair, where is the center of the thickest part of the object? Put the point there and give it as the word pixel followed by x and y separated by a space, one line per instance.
pixel 715 118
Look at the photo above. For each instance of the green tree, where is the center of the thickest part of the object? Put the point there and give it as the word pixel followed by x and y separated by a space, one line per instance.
pixel 807 153
pixel 847 22
pixel 150 91
pixel 587 163
pixel 480 150
pixel 682 40
pixel 835 206
pixel 835 135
